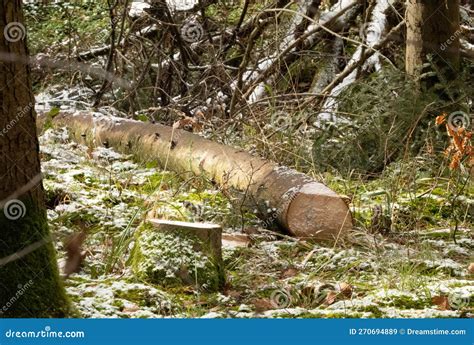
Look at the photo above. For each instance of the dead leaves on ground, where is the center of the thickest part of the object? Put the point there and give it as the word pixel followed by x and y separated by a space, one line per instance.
pixel 188 124
pixel 442 302
pixel 470 269
pixel 346 289
pixel 263 304
pixel 451 302
pixel 289 273
pixel 74 253
pixel 343 291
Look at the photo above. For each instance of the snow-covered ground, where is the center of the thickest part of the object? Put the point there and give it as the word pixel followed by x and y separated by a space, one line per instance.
pixel 109 195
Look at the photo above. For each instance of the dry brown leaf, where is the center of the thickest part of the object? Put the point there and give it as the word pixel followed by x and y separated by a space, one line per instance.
pixel 263 304
pixel 330 297
pixel 471 268
pixel 200 115
pixel 74 254
pixel 289 272
pixel 188 123
pixel 234 294
pixel 131 309
pixel 442 302
pixel 440 119
pixel 346 289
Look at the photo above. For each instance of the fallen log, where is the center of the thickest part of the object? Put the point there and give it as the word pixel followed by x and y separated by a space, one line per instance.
pixel 298 204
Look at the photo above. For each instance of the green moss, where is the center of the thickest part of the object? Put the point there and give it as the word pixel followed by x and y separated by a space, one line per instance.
pixel 321 315
pixel 172 260
pixel 407 302
pixel 118 303
pixel 375 310
pixel 30 286
pixel 138 296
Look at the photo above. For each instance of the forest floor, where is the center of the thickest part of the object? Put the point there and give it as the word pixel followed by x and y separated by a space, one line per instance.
pixel 421 268
pixel 415 274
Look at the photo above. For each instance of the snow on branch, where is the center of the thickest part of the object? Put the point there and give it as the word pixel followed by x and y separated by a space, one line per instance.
pixel 372 34
pixel 337 12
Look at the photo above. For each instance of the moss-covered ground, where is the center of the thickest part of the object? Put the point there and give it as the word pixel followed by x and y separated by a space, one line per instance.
pixel 405 273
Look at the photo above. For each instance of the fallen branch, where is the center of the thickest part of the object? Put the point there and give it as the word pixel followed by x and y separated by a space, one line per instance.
pixel 363 58
pixel 105 50
pixel 372 35
pixel 255 88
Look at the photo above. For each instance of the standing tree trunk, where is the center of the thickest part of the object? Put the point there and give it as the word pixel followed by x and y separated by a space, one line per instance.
pixel 29 278
pixel 433 30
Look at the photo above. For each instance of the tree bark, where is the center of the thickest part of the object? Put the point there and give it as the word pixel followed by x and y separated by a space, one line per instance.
pixel 292 200
pixel 29 279
pixel 433 29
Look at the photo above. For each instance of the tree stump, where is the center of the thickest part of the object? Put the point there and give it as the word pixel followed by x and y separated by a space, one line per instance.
pixel 185 253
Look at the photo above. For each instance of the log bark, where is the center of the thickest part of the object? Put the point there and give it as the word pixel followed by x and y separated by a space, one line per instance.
pixel 298 204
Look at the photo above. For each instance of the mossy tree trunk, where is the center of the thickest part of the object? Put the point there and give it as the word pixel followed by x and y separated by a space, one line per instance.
pixel 29 280
pixel 433 33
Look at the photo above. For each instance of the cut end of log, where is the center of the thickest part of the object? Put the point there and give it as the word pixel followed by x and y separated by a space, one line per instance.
pixel 319 213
